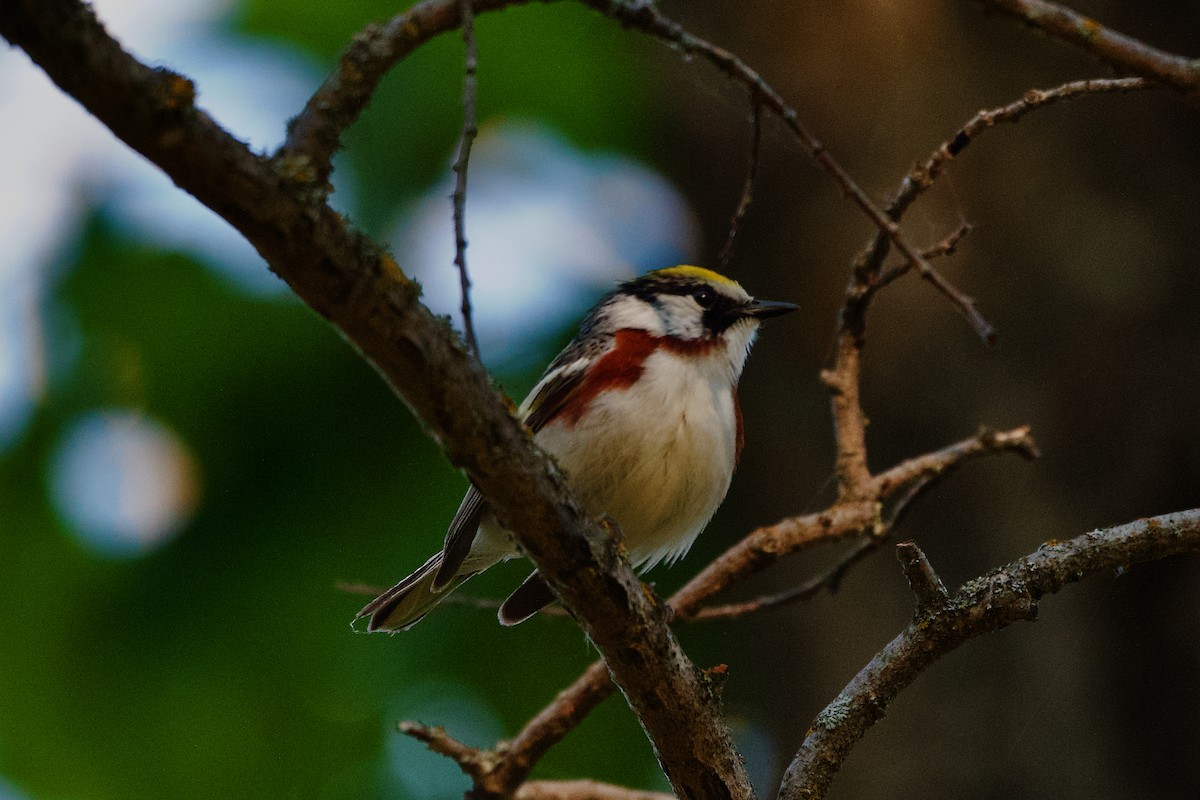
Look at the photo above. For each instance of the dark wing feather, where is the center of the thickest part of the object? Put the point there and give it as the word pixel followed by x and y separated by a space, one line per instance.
pixel 562 378
pixel 548 398
pixel 460 537
pixel 530 597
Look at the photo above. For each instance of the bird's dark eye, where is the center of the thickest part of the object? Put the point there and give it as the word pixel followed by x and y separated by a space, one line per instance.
pixel 704 297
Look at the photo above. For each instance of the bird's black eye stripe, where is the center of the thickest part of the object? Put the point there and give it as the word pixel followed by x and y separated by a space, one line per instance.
pixel 704 296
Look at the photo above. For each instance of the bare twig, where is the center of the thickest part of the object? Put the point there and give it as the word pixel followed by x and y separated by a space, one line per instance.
pixel 314 134
pixel 829 580
pixel 470 760
pixel 919 475
pixel 994 601
pixel 1112 47
pixel 922 177
pixel 1018 440
pixel 764 546
pixel 948 246
pixel 461 162
pixel 646 17
pixel 925 583
pixel 583 790
pixel 747 197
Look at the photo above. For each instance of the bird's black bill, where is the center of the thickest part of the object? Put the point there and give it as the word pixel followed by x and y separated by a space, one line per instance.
pixel 765 309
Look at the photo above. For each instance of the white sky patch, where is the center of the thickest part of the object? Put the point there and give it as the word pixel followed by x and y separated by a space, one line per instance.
pixel 425 775
pixel 59 163
pixel 549 227
pixel 124 484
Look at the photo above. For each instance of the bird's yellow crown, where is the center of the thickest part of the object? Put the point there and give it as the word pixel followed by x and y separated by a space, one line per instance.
pixel 697 273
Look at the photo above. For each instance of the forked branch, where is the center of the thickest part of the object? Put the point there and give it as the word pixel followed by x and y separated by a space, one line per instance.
pixel 942 624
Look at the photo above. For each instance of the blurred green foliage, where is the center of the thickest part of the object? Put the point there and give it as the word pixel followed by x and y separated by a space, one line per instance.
pixel 223 664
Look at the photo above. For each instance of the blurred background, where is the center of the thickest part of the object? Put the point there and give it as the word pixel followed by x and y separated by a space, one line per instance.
pixel 191 461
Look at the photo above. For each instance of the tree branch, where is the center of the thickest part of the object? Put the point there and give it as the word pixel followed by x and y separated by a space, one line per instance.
pixel 645 16
pixel 461 163
pixel 756 551
pixel 920 474
pixel 1112 47
pixel 583 790
pixel 996 600
pixel 315 134
pixel 739 214
pixel 360 289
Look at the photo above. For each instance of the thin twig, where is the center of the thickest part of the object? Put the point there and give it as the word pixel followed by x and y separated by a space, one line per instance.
pixel 926 585
pixel 946 247
pixel 1018 440
pixel 829 580
pixel 919 475
pixel 645 16
pixel 747 197
pixel 314 134
pixel 470 760
pixel 922 177
pixel 469 131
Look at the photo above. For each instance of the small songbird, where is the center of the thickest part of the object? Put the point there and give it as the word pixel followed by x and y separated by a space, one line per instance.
pixel 641 413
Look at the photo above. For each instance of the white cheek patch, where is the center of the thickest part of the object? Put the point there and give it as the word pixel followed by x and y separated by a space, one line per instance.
pixel 633 312
pixel 684 314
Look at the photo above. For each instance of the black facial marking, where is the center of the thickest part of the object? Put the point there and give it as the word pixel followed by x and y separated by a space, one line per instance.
pixel 719 311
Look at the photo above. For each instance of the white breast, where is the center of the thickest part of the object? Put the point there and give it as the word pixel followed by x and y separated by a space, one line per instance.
pixel 658 456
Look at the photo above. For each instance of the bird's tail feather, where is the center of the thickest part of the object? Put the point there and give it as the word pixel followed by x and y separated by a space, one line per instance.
pixel 530 597
pixel 403 605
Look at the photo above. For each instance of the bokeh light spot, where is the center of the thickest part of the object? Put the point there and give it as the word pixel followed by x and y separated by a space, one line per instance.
pixel 549 227
pixel 465 715
pixel 124 483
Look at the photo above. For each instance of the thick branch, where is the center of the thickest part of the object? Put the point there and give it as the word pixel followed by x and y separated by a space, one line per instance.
pixel 1112 47
pixel 994 601
pixel 362 292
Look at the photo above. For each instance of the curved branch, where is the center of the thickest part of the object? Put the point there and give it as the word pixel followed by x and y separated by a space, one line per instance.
pixel 1112 47
pixel 996 600
pixel 361 290
pixel 315 134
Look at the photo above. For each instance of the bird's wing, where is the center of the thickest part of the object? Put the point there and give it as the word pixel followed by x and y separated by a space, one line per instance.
pixel 460 537
pixel 551 394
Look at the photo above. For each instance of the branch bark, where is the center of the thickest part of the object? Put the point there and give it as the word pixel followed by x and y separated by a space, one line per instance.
pixel 1110 46
pixel 996 600
pixel 361 290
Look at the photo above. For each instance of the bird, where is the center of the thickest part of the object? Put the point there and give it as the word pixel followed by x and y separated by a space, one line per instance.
pixel 641 413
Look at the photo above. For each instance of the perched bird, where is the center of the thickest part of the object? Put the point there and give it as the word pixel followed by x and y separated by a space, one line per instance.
pixel 641 413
